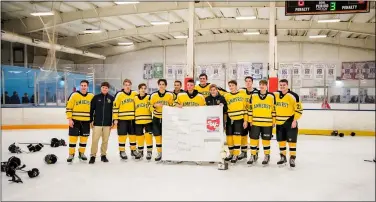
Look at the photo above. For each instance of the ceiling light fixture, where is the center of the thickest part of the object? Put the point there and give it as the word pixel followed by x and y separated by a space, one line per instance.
pixel 329 20
pixel 317 36
pixel 126 2
pixel 245 17
pixel 125 43
pixel 92 31
pixel 160 23
pixel 181 37
pixel 42 13
pixel 251 33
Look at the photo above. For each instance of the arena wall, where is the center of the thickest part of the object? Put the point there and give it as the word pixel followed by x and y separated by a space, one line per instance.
pixel 315 122
pixel 130 65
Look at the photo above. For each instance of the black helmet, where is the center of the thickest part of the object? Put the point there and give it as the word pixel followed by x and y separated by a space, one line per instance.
pixel 33 172
pixel 14 149
pixel 55 142
pixel 50 158
pixel 12 164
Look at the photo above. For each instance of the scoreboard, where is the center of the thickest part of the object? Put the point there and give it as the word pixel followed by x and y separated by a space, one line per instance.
pixel 302 7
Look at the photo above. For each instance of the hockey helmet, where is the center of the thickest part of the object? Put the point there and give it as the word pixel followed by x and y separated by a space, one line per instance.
pixel 55 142
pixel 33 172
pixel 14 149
pixel 12 164
pixel 50 159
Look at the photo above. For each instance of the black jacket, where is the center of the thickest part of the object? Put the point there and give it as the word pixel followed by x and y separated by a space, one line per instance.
pixel 101 110
pixel 210 100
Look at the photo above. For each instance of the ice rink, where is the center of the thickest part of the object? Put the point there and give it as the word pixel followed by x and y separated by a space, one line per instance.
pixel 328 168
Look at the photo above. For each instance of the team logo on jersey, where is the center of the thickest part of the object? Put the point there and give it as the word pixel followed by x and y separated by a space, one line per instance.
pixel 108 100
pixel 218 102
pixel 212 124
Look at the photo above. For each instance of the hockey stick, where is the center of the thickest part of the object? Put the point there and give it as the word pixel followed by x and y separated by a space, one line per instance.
pixel 34 143
pixel 370 160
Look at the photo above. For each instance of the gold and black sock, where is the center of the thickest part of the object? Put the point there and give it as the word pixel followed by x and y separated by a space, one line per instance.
pixel 132 142
pixel 292 148
pixel 72 144
pixel 282 147
pixel 149 141
pixel 83 141
pixel 266 145
pixel 140 142
pixel 237 142
pixel 122 139
pixel 254 146
pixel 158 143
pixel 244 147
pixel 230 144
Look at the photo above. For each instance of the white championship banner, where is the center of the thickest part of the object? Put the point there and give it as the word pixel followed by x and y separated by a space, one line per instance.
pixel 192 133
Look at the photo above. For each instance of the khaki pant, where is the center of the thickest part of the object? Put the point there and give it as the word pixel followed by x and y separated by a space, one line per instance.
pixel 98 132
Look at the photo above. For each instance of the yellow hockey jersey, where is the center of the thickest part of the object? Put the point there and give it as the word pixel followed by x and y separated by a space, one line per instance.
pixel 205 90
pixel 288 107
pixel 176 94
pixel 124 105
pixel 78 106
pixel 190 100
pixel 166 98
pixel 247 98
pixel 142 111
pixel 262 111
pixel 236 106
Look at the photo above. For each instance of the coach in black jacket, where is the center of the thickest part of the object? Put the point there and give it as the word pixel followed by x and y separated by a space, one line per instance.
pixel 216 99
pixel 101 119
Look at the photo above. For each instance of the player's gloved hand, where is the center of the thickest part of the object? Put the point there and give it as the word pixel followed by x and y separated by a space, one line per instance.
pixel 245 124
pixel 70 122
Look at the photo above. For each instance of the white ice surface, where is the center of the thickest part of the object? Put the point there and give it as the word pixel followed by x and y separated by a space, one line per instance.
pixel 328 168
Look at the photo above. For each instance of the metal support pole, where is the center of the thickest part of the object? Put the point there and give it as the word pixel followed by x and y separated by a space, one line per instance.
pixel 11 53
pixel 93 81
pixel 65 87
pixel 190 40
pixel 273 79
pixel 35 89
pixel 164 61
pixel 25 56
pixel 3 86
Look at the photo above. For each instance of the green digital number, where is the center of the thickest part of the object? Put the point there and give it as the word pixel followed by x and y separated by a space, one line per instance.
pixel 332 6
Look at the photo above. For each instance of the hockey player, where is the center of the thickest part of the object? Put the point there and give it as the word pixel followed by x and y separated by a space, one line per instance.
pixel 143 122
pixel 123 116
pixel 191 98
pixel 204 87
pixel 289 109
pixel 177 88
pixel 78 115
pixel 248 90
pixel 157 100
pixel 237 120
pixel 262 118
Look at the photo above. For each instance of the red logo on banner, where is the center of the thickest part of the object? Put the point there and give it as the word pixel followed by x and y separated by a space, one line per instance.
pixel 212 124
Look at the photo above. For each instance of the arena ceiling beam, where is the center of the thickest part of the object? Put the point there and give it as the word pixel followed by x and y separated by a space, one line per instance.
pixel 345 42
pixel 33 24
pixel 218 23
